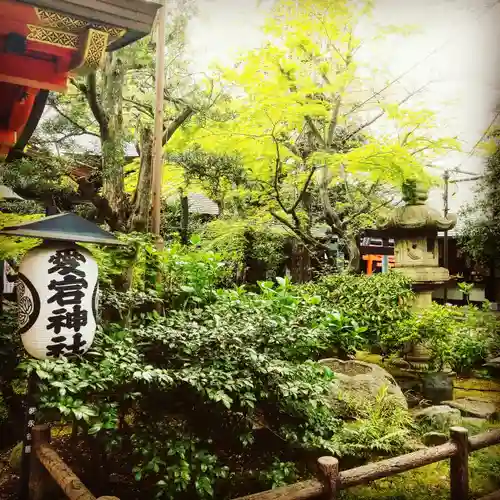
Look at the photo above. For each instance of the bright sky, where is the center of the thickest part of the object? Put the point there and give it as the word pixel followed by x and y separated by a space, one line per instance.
pixel 464 68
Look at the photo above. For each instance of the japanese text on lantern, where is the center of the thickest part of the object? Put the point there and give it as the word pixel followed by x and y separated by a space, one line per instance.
pixel 69 317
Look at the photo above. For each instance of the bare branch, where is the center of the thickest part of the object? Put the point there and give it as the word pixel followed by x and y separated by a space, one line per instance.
pixel 366 209
pixel 177 122
pixel 315 130
pixel 305 187
pixel 382 113
pixel 424 148
pixel 292 148
pixel 407 135
pixel 331 216
pixel 83 129
pixel 276 182
pixel 383 89
pixel 306 238
pixel 68 136
pixel 141 107
pixel 96 107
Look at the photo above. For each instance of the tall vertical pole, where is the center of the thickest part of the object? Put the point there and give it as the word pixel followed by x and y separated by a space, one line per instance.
pixel 385 263
pixel 30 414
pixel 158 130
pixel 29 422
pixel 446 178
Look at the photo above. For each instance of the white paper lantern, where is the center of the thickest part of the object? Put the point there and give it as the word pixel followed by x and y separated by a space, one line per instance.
pixel 57 297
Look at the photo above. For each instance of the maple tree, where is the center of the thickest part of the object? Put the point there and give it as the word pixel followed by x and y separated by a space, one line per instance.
pixel 308 126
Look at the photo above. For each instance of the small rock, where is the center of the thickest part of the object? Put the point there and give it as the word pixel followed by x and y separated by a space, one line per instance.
pixel 494 363
pixel 115 478
pixel 400 363
pixel 438 417
pixel 434 438
pixel 437 387
pixel 474 421
pixel 473 407
pixel 16 457
pixel 413 399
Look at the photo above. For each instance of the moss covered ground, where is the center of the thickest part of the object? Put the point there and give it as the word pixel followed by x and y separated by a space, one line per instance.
pixel 432 482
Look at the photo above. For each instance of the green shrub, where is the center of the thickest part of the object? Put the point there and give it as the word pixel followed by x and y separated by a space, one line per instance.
pixel 137 278
pixel 195 397
pixel 375 302
pixel 241 241
pixel 194 389
pixel 379 426
pixel 461 337
pixel 14 248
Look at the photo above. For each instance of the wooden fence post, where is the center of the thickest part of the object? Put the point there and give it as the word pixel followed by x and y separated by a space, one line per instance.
pixel 329 474
pixel 40 479
pixel 459 464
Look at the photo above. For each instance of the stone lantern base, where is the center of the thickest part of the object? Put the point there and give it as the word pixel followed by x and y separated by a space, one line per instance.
pixel 425 277
pixel 426 280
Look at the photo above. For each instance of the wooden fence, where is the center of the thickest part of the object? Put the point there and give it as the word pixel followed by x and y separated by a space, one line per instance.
pixel 330 481
pixel 47 466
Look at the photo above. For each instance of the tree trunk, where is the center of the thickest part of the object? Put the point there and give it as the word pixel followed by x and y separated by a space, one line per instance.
pixel 112 143
pixel 139 220
pixel 353 253
pixel 338 227
pixel 184 219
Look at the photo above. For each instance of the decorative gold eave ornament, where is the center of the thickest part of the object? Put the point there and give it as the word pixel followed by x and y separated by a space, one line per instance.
pixel 69 24
pixel 89 40
pixel 92 51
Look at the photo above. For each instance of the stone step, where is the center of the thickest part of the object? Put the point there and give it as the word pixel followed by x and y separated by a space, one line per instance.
pixel 474 407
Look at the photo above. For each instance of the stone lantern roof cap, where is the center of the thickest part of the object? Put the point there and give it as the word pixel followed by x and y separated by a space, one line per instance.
pixel 415 216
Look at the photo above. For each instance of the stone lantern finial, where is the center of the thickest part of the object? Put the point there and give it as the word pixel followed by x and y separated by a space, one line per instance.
pixel 414 193
pixel 415 216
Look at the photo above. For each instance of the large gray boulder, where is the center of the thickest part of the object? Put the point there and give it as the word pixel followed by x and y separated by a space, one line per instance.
pixel 362 381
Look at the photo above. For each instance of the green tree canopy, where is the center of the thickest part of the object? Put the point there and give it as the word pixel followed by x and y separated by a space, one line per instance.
pixel 303 119
pixel 479 233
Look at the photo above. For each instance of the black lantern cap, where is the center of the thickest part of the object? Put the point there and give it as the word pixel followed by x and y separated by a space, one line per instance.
pixel 7 194
pixel 63 227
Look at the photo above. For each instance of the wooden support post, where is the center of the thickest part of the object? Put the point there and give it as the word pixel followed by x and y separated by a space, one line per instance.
pixel 459 464
pixel 329 473
pixel 40 479
pixel 158 130
pixel 369 265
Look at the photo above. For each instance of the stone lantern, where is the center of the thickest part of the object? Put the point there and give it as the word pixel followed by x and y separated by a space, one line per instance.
pixel 414 227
